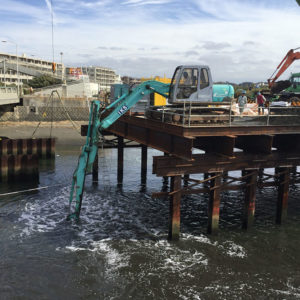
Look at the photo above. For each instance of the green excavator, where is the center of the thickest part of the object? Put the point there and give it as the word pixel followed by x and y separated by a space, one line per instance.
pixel 189 85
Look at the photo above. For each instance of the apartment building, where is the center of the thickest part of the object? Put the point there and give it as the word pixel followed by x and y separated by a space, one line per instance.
pixel 24 68
pixel 104 77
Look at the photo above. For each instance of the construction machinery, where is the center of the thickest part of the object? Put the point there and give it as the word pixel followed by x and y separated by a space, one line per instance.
pixel 191 88
pixel 286 90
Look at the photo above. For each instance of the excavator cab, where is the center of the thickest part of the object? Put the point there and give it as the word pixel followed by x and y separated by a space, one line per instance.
pixel 191 84
pixel 295 81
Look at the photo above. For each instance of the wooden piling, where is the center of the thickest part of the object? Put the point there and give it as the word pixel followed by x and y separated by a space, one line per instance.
pixel 166 178
pixel 19 157
pixel 14 147
pixel 144 159
pixel 42 148
pixel 120 159
pixel 250 198
pixel 33 147
pixel 24 146
pixel 5 148
pixel 17 166
pixel 4 168
pixel 32 168
pixel 51 147
pixel 186 180
pixel 95 170
pixel 214 204
pixel 283 180
pixel 174 213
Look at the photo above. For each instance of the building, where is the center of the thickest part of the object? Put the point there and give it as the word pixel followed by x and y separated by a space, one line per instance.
pixel 13 67
pixel 104 77
pixel 71 89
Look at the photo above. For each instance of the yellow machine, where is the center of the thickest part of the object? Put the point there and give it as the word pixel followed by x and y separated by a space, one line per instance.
pixel 157 99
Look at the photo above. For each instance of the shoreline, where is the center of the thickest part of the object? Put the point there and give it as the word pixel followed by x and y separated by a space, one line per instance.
pixel 63 131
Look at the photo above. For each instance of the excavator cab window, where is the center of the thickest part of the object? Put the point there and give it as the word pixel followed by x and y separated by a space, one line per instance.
pixel 187 84
pixel 174 82
pixel 296 80
pixel 204 81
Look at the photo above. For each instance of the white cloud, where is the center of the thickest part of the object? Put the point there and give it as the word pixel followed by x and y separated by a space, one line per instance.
pixel 240 40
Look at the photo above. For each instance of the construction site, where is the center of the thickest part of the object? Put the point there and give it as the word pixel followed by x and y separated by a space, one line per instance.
pixel 150 150
pixel 181 117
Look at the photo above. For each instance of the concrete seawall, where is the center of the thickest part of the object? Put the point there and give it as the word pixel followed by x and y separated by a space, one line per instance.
pixel 46 110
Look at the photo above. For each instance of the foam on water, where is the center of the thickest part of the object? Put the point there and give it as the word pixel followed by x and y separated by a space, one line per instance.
pixel 228 247
pixel 44 214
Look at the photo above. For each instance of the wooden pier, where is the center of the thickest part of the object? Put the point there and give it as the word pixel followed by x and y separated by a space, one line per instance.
pixel 246 148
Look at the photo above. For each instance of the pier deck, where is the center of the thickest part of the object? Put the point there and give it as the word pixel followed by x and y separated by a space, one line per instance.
pixel 242 145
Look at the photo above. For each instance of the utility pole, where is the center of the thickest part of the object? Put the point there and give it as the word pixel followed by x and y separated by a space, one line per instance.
pixel 4 71
pixel 62 69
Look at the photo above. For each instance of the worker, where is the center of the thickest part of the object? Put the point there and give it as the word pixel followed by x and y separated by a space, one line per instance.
pixel 260 100
pixel 242 100
pixel 187 79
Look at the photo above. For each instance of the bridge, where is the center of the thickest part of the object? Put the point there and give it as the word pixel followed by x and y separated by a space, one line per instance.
pixel 8 95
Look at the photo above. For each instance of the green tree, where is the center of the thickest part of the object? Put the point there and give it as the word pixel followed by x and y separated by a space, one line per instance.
pixel 42 81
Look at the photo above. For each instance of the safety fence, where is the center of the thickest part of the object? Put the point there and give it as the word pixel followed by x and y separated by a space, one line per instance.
pixel 45 114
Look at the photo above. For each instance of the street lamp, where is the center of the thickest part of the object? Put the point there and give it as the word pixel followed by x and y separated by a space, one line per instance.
pixel 18 80
pixel 61 59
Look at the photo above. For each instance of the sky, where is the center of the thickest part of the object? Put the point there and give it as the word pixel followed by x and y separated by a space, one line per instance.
pixel 239 40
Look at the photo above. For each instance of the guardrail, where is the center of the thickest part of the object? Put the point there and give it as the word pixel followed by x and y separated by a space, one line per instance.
pixel 223 114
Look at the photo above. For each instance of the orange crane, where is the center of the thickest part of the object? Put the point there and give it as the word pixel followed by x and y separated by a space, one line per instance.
pixel 290 57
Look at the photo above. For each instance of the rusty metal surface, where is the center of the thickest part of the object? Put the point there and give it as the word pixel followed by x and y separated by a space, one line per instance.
pixel 19 167
pixel 212 144
pixel 19 158
pixel 255 143
pixel 206 163
pixel 160 140
pixel 43 147
pixel 179 140
pixel 208 130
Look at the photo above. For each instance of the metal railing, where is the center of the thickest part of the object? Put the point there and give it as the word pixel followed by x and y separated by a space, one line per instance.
pixel 185 115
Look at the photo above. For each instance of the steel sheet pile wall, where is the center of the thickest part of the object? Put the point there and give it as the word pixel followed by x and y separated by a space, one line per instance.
pixel 19 158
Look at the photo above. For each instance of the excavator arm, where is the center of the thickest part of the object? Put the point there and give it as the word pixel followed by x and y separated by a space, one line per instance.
pixel 290 57
pixel 96 125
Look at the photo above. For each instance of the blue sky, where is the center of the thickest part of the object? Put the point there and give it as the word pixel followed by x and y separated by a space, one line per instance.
pixel 239 40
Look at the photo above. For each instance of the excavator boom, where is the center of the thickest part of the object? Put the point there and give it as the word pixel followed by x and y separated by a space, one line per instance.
pixel 290 57
pixel 96 125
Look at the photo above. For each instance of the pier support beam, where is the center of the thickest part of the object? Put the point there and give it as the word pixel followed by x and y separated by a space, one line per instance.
pixel 186 180
pixel 166 178
pixel 214 203
pixel 283 193
pixel 96 170
pixel 120 159
pixel 250 197
pixel 174 214
pixel 144 159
